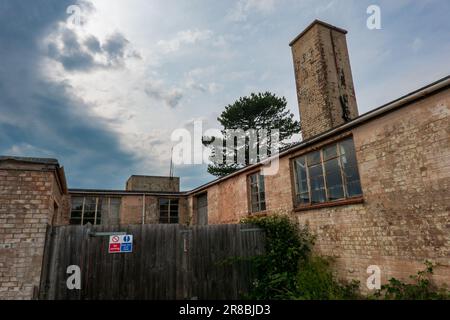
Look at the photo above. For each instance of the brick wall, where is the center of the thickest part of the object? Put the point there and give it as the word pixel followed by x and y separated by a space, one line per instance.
pixel 323 76
pixel 28 199
pixel 404 164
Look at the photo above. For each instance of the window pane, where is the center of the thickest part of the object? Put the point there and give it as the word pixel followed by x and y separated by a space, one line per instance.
pixel 334 180
pixel 263 206
pixel 257 192
pixel 317 184
pixel 77 203
pixel 261 183
pixel 163 219
pixel 76 214
pixel 301 180
pixel 330 152
pixel 350 168
pixel 173 211
pixel 303 198
pixel 168 210
pixel 99 211
pixel 75 220
pixel 313 158
pixel 77 209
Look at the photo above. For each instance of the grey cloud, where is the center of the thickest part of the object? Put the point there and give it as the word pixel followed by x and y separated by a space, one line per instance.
pixel 93 44
pixel 115 46
pixel 170 97
pixel 78 54
pixel 39 117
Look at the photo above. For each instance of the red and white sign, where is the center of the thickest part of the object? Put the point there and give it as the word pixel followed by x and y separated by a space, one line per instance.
pixel 121 244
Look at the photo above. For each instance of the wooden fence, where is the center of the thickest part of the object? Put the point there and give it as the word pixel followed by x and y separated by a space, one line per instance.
pixel 167 262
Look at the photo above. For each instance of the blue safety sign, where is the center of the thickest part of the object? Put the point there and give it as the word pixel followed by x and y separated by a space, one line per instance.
pixel 121 243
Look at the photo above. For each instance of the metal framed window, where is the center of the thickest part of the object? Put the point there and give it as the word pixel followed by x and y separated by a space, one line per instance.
pixel 257 192
pixel 327 175
pixel 95 210
pixel 168 210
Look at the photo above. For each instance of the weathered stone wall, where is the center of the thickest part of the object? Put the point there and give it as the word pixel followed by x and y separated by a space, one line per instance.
pixel 29 196
pixel 404 164
pixel 153 184
pixel 323 77
pixel 131 209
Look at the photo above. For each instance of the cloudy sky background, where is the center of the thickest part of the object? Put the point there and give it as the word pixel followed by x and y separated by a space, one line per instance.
pixel 104 97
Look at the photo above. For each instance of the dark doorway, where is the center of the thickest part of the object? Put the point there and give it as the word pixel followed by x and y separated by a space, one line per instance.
pixel 202 209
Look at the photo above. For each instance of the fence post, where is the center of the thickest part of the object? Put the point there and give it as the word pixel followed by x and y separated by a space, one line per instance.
pixel 44 285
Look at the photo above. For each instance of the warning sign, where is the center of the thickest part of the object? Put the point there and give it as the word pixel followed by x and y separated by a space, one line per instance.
pixel 121 244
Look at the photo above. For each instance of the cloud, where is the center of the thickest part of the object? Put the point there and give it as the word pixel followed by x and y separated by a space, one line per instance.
pixel 182 38
pixel 243 8
pixel 80 52
pixel 42 117
pixel 171 97
pixel 197 79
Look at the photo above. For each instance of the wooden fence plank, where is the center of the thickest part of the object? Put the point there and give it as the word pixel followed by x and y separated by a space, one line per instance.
pixel 167 262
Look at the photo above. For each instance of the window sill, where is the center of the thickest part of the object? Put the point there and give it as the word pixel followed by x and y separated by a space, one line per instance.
pixel 258 214
pixel 336 203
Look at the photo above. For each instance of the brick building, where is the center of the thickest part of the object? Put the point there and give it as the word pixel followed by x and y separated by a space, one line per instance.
pixel 373 188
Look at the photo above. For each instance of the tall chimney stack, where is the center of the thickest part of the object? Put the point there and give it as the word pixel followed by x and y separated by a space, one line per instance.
pixel 325 91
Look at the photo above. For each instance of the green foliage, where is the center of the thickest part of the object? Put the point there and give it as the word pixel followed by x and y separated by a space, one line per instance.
pixel 315 281
pixel 420 288
pixel 257 112
pixel 286 245
pixel 289 270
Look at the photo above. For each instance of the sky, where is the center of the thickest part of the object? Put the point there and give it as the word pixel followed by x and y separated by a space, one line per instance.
pixel 102 86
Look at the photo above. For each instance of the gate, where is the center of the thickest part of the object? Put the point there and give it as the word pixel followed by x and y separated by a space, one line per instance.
pixel 167 262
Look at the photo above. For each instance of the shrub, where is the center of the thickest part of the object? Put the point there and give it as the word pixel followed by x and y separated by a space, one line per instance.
pixel 421 288
pixel 289 270
pixel 315 281
pixel 286 245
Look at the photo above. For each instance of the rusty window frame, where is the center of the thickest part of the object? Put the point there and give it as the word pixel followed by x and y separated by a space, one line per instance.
pixel 257 188
pixel 297 193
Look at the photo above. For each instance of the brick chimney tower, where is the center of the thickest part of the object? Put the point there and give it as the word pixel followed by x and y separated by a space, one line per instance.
pixel 325 91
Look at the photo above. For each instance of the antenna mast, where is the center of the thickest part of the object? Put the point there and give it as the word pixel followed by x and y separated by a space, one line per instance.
pixel 171 163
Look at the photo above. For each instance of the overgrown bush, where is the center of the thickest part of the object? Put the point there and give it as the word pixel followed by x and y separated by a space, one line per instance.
pixel 288 270
pixel 316 281
pixel 420 288
pixel 286 245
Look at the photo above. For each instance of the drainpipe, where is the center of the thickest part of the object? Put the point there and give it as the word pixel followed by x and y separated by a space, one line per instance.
pixel 143 208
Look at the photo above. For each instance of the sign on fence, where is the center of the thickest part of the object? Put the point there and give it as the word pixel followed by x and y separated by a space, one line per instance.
pixel 121 243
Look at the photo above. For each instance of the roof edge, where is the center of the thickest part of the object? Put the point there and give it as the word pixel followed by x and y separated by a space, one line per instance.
pixel 396 104
pixel 327 25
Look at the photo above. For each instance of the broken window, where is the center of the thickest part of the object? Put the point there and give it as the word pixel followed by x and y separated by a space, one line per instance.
pixel 328 174
pixel 95 210
pixel 168 210
pixel 257 192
